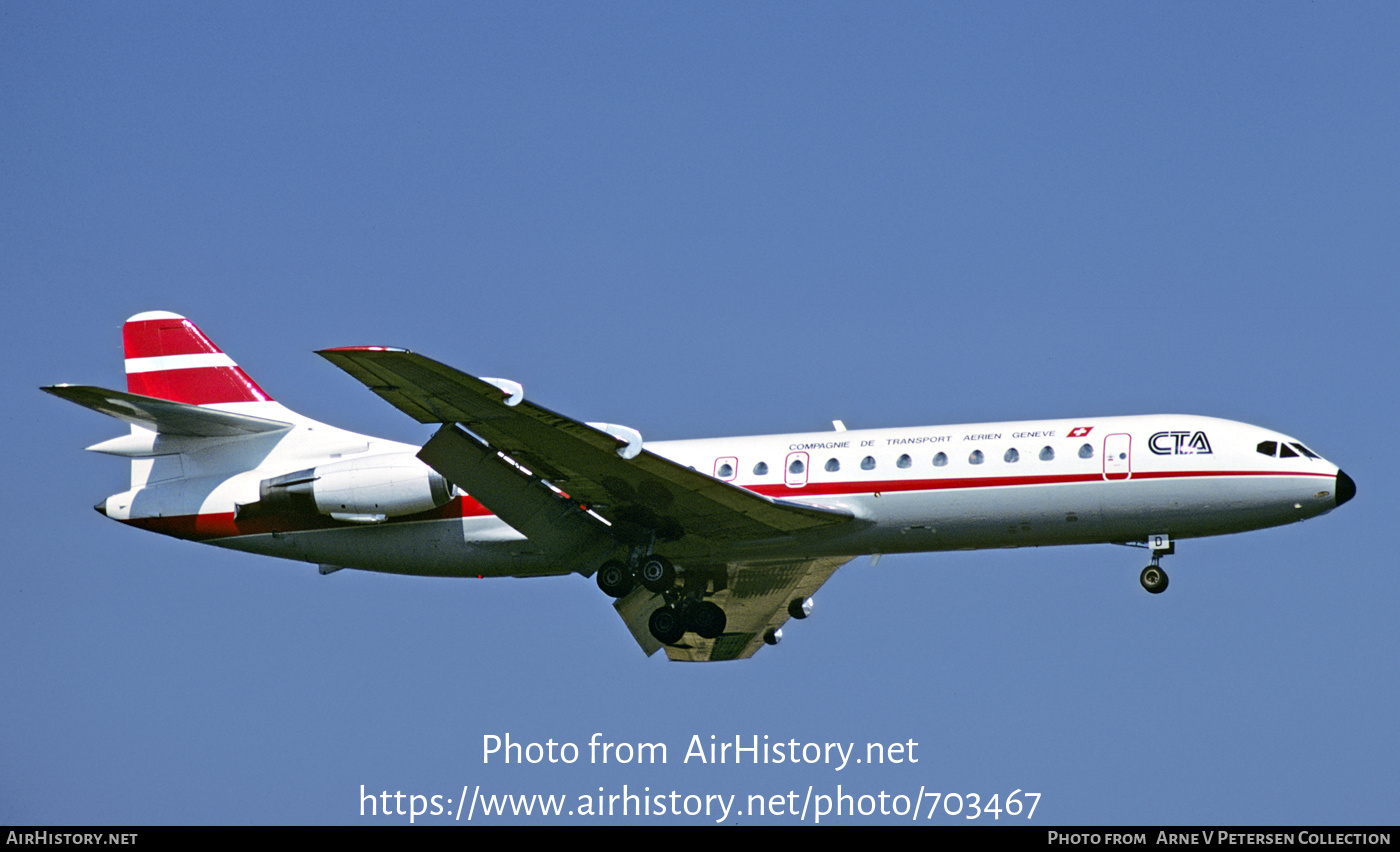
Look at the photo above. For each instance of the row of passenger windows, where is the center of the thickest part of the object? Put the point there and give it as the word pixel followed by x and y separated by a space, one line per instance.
pixel 1278 449
pixel 1011 456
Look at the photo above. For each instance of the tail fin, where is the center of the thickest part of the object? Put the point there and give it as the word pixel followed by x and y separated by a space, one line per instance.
pixel 168 357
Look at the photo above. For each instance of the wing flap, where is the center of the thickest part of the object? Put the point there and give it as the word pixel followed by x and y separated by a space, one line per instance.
pixel 553 522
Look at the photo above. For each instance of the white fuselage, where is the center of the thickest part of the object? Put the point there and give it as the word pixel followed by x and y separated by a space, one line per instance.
pixel 1018 484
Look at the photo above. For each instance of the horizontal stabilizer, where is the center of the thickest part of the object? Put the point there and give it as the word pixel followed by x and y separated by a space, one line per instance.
pixel 164 416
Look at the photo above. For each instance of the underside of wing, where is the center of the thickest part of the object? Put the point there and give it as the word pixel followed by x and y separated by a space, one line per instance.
pixel 758 599
pixel 598 469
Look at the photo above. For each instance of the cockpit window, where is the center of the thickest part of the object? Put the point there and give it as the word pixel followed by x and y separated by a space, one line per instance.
pixel 1287 452
pixel 1304 450
pixel 1267 448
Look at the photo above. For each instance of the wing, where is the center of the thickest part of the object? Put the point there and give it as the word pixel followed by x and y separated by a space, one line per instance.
pixel 512 447
pixel 755 604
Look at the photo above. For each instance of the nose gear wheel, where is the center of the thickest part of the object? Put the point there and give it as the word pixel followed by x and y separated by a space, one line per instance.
pixel 1153 578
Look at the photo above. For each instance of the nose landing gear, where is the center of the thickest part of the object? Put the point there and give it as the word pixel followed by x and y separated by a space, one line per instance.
pixel 1153 578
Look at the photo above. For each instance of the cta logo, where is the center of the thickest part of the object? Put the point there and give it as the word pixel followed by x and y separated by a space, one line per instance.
pixel 1179 443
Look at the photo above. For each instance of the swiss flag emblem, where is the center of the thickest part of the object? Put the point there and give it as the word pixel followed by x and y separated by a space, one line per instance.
pixel 1079 431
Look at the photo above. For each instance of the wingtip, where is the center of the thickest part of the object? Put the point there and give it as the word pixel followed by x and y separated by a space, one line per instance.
pixel 326 352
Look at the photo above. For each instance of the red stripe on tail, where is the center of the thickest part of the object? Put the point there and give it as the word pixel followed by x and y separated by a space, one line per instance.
pixel 163 335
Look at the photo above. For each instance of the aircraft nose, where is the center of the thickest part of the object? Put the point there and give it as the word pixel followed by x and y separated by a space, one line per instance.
pixel 1346 488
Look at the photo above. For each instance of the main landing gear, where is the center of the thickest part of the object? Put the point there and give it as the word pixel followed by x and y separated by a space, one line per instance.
pixel 685 609
pixel 1153 578
pixel 670 622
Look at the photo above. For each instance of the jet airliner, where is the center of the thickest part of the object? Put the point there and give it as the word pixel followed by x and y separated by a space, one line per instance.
pixel 707 547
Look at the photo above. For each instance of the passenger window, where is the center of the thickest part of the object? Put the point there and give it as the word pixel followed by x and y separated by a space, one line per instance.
pixel 832 465
pixel 726 471
pixel 1011 456
pixel 797 466
pixel 940 460
pixel 867 463
pixel 1047 454
pixel 1086 451
pixel 975 458
pixel 1286 452
pixel 904 461
pixel 760 469
pixel 1268 448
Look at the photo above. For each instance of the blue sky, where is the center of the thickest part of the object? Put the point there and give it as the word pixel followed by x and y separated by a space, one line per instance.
pixel 701 220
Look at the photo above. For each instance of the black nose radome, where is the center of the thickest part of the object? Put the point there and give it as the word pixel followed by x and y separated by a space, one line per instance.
pixel 1346 489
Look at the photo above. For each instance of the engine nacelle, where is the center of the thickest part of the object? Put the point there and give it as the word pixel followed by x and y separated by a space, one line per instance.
pixel 391 485
pixel 364 490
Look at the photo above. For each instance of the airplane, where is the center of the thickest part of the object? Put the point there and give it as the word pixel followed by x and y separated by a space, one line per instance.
pixel 708 546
